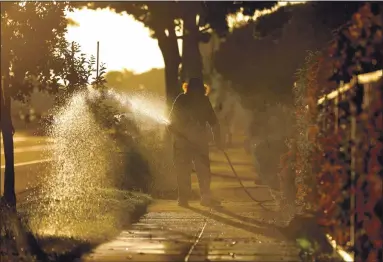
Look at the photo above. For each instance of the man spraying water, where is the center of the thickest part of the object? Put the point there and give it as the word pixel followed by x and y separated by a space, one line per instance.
pixel 190 113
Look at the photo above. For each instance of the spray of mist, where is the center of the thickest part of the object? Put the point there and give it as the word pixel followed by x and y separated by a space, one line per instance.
pixel 82 163
pixel 86 166
pixel 148 111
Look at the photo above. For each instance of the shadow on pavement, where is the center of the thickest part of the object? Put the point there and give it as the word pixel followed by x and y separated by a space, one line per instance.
pixel 65 249
pixel 235 163
pixel 244 218
pixel 267 230
pixel 299 228
pixel 231 177
pixel 259 193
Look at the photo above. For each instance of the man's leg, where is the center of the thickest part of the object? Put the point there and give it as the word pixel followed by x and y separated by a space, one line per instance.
pixel 183 167
pixel 260 154
pixel 257 167
pixel 202 165
pixel 223 134
pixel 230 139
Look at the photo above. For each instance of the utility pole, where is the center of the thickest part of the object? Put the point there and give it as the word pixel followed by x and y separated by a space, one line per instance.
pixel 1 125
pixel 1 110
pixel 98 55
pixel 97 62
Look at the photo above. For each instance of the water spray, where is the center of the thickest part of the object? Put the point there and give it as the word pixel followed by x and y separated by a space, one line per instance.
pixel 84 157
pixel 140 105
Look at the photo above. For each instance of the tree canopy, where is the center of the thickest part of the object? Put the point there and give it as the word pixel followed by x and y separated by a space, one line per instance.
pixel 261 58
pixel 35 53
pixel 32 36
pixel 358 47
pixel 169 15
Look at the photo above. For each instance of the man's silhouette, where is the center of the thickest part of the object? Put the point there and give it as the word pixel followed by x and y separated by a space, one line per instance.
pixel 189 117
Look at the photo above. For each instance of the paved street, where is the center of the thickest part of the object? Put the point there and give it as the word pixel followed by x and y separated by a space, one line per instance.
pixel 240 231
pixel 30 160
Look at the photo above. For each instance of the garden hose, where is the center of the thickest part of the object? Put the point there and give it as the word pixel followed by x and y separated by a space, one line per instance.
pixel 260 202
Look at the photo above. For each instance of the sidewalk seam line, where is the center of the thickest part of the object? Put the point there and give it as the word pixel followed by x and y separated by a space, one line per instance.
pixel 195 243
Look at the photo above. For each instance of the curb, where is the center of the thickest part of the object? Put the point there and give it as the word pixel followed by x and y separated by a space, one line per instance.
pixel 306 227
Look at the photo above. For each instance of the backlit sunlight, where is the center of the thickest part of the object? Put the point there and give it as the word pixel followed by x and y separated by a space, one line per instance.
pixel 239 19
pixel 124 42
pixel 129 44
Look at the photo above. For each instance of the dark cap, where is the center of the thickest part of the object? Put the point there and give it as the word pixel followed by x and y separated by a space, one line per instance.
pixel 196 84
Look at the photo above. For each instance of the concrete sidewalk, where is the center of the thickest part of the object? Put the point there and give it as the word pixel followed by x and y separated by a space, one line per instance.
pixel 239 231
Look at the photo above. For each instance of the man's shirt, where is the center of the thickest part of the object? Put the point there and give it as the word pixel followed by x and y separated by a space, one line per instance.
pixel 189 116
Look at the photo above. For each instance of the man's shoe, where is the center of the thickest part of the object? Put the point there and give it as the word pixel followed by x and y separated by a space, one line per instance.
pixel 209 202
pixel 183 203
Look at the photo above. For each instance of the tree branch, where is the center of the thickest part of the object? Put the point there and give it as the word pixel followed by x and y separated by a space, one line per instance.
pixel 200 32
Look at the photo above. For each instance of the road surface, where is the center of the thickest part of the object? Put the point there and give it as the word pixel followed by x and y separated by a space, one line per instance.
pixel 31 159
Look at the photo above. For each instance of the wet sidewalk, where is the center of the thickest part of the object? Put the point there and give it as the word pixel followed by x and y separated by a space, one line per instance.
pixel 239 231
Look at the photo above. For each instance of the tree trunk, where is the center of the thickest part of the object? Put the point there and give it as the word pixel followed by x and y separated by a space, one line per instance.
pixel 191 56
pixel 170 52
pixel 166 185
pixel 7 131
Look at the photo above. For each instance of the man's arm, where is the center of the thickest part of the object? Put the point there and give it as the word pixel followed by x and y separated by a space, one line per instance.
pixel 174 112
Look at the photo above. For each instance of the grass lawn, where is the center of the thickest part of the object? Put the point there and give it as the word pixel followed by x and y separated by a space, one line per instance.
pixel 64 230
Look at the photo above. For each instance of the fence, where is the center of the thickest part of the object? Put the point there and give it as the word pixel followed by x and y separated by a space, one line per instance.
pixel 350 122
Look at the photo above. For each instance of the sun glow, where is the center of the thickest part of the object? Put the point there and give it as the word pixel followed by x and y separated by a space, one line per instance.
pixel 239 19
pixel 124 42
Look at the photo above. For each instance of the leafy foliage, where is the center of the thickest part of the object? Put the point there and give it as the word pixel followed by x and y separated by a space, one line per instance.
pixel 358 47
pixel 350 168
pixel 261 58
pixel 216 13
pixel 32 36
pixel 77 70
pixel 103 109
pixel 263 68
pixel 345 152
pixel 298 159
pixel 35 53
